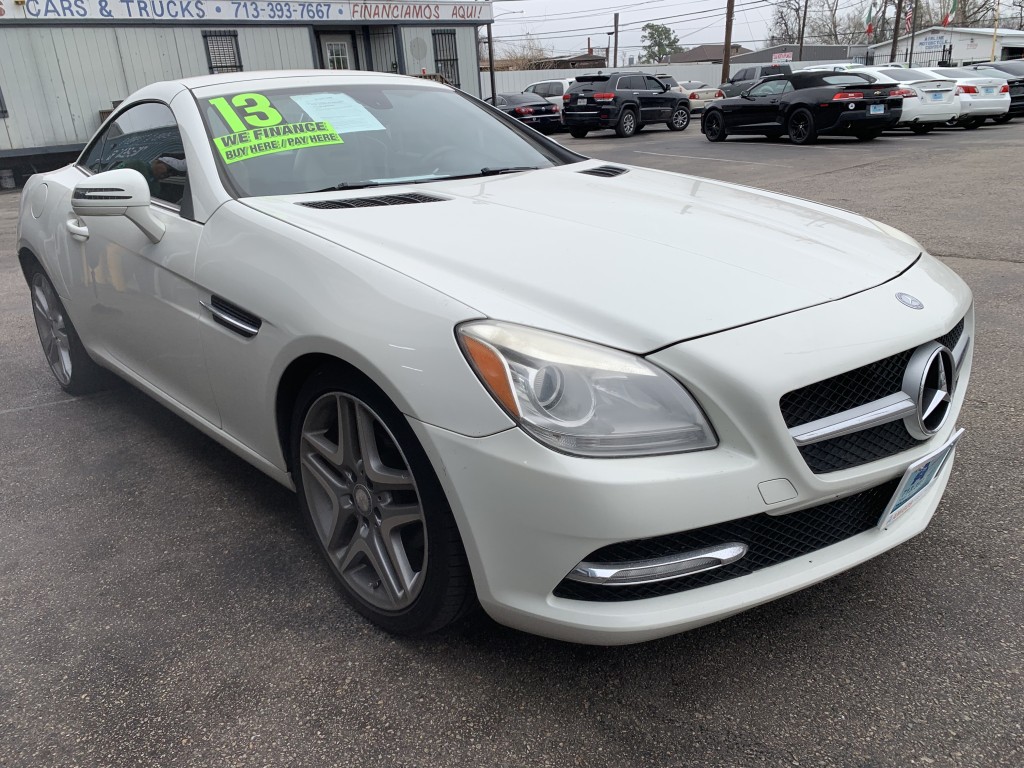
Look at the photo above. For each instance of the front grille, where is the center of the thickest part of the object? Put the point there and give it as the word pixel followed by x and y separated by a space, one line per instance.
pixel 771 540
pixel 859 448
pixel 848 390
pixel 845 391
pixel 370 202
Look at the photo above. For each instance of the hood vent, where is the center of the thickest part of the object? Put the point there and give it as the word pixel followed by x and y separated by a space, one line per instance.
pixel 606 171
pixel 371 202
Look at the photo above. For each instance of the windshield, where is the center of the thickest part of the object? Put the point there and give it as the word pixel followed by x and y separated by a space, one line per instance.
pixel 274 141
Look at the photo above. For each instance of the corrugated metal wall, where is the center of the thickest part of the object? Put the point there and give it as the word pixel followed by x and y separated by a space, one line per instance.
pixel 418 43
pixel 56 79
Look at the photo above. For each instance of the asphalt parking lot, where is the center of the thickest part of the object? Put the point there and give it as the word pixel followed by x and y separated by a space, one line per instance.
pixel 162 605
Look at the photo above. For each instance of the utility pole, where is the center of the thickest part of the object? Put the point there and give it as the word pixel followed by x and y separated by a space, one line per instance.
pixel 727 48
pixel 490 62
pixel 995 31
pixel 615 60
pixel 803 28
pixel 896 29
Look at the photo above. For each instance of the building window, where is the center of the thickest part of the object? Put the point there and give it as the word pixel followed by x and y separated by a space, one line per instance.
pixel 222 52
pixel 3 106
pixel 446 55
pixel 337 54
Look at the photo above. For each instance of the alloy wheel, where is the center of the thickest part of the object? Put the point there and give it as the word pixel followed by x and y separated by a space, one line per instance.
pixel 363 501
pixel 52 328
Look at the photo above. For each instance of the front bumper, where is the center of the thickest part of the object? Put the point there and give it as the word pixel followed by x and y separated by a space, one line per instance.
pixel 529 515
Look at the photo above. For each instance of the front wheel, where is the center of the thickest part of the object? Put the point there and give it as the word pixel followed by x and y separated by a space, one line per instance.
pixel 578 133
pixel 1002 119
pixel 375 506
pixel 70 364
pixel 680 119
pixel 714 126
pixel 626 126
pixel 801 127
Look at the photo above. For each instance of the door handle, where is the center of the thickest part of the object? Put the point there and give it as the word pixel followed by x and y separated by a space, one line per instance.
pixel 78 231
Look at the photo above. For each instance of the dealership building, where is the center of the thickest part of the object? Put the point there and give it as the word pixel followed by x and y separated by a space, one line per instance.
pixel 64 64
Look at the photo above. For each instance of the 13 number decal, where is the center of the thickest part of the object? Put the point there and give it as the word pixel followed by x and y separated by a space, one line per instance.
pixel 258 112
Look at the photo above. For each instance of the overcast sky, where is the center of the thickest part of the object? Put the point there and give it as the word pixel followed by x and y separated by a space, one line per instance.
pixel 564 25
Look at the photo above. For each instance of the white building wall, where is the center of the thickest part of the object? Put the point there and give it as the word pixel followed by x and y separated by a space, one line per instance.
pixel 55 80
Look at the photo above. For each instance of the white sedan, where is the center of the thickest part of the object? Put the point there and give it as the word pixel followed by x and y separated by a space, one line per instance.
pixel 618 436
pixel 982 95
pixel 928 100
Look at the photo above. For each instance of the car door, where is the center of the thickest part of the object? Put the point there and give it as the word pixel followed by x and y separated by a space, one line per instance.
pixel 763 108
pixel 140 297
pixel 740 111
pixel 662 100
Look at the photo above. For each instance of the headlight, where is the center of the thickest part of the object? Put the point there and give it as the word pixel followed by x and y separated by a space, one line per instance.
pixel 581 398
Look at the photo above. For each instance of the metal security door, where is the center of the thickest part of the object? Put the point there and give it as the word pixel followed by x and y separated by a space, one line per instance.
pixel 446 55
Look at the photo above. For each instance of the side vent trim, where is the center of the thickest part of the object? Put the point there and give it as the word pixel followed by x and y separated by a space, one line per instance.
pixel 233 317
pixel 605 171
pixel 409 198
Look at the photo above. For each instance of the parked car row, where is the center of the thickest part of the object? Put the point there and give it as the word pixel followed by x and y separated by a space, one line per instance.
pixel 865 101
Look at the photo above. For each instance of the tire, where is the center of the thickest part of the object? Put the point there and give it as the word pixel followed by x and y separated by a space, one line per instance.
pixel 626 126
pixel 578 133
pixel 680 119
pixel 867 135
pixel 800 127
pixel 640 127
pixel 375 506
pixel 920 129
pixel 974 123
pixel 1002 119
pixel 70 364
pixel 714 126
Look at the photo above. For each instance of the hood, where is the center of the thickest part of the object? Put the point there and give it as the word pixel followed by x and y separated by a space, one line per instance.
pixel 636 261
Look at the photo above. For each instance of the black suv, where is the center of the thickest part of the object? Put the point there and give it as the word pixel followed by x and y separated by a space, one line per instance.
pixel 625 101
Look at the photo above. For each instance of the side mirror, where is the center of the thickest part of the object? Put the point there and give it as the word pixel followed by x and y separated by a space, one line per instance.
pixel 123 192
pixel 746 94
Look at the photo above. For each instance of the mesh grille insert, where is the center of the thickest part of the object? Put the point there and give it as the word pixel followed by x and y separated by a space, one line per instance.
pixel 771 540
pixel 370 202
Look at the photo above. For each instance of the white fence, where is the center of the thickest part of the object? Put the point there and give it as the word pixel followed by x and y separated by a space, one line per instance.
pixel 515 82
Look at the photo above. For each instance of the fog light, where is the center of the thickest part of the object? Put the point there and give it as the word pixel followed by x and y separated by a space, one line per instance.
pixel 658 569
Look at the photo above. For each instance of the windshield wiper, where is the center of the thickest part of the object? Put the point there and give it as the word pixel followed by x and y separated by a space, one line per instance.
pixel 509 169
pixel 347 185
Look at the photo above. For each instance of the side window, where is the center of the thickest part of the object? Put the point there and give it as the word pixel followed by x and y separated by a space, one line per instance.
pixel 531 88
pixel 653 84
pixel 744 74
pixel 788 88
pixel 145 138
pixel 545 90
pixel 764 89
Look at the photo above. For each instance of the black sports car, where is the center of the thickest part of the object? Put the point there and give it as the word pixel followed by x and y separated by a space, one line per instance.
pixel 534 110
pixel 806 105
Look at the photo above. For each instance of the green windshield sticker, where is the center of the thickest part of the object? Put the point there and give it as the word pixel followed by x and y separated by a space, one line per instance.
pixel 258 142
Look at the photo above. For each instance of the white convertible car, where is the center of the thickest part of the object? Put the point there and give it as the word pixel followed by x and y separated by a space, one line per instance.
pixel 615 433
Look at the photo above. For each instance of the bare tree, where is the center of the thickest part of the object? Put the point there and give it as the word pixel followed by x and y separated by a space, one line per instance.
pixel 521 54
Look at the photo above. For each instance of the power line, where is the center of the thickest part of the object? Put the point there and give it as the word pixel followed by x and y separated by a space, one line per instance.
pixel 628 26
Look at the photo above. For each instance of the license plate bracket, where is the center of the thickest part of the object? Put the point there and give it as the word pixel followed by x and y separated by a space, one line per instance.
pixel 877 109
pixel 916 479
